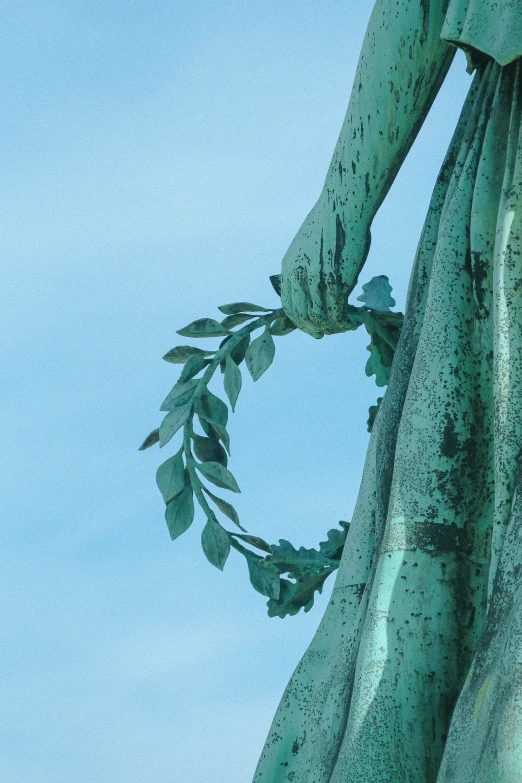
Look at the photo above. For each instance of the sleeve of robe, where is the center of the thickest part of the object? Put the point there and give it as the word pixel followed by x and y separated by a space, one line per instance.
pixel 492 27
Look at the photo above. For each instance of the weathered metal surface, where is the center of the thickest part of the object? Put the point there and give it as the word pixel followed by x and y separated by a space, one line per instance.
pixel 426 612
pixel 493 27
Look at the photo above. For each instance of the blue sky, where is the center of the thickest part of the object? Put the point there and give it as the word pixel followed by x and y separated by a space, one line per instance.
pixel 158 158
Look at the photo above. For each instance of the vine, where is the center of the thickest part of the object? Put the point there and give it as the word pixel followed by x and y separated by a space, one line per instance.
pixel 178 478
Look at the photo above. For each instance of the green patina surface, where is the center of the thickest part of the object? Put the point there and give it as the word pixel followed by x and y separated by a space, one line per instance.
pixel 415 672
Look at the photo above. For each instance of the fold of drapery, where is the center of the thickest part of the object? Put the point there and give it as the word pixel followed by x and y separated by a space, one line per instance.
pixel 493 27
pixel 417 592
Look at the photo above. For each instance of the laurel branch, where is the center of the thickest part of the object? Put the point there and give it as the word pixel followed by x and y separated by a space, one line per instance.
pixel 205 456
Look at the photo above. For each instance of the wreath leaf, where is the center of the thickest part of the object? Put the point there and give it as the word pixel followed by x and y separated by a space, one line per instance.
pixel 193 365
pixel 179 395
pixel 209 450
pixel 276 283
pixel 181 353
pixel 212 408
pixel 288 560
pixel 239 351
pixel 234 320
pixel 218 475
pixel 203 327
pixel 232 381
pixel 179 513
pixel 282 326
pixel 297 595
pixel 264 577
pixel 227 509
pixel 170 476
pixel 215 543
pixel 332 548
pixel 372 413
pixel 150 440
pixel 238 307
pixel 216 430
pixel 173 421
pixel 255 541
pixel 377 294
pixel 260 354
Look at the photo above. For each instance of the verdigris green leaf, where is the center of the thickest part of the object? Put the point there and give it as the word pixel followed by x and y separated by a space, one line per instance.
pixel 380 361
pixel 260 354
pixel 180 513
pixel 215 543
pixel 218 475
pixel 264 578
pixel 194 365
pixel 372 413
pixel 209 450
pixel 238 307
pixel 228 510
pixel 238 352
pixel 276 283
pixel 297 595
pixel 386 326
pixel 333 547
pixel 207 427
pixel 394 323
pixel 179 395
pixel 170 476
pixel 384 330
pixel 232 381
pixel 181 353
pixel 377 294
pixel 203 327
pixel 259 543
pixel 212 408
pixel 225 341
pixel 295 562
pixel 173 421
pixel 214 430
pixel 221 344
pixel 282 326
pixel 150 440
pixel 234 320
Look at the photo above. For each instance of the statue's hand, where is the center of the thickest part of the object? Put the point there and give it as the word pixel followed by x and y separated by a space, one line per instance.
pixel 320 269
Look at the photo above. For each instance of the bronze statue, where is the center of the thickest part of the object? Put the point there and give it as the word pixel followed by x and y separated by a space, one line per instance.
pixel 415 672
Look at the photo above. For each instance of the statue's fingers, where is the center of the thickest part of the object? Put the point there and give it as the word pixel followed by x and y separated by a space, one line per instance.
pixel 336 302
pixel 287 301
pixel 300 311
pixel 286 296
pixel 292 304
pixel 313 318
pixel 318 316
pixel 319 310
pixel 295 299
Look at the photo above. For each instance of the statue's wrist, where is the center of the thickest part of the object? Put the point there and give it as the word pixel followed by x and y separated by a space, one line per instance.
pixel 353 207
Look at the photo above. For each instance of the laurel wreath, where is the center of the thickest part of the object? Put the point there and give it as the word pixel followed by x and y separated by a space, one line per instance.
pixel 179 478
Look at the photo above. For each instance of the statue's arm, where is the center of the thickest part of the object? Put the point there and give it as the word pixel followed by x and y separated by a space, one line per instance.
pixel 401 67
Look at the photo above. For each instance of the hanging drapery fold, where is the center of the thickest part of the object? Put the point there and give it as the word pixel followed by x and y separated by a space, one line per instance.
pixel 427 604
